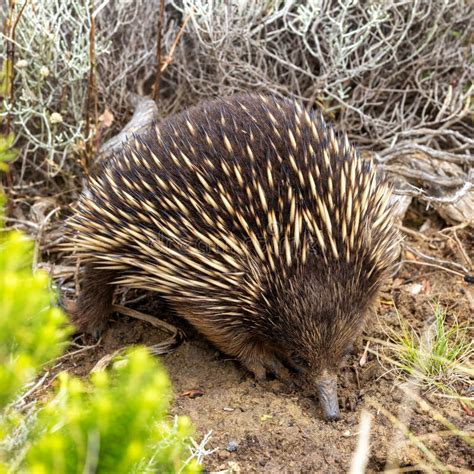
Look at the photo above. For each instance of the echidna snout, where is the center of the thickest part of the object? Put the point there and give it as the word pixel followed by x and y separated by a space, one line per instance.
pixel 326 386
pixel 326 317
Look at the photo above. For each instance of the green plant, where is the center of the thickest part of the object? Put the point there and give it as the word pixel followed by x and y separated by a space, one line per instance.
pixel 32 331
pixel 110 426
pixel 115 422
pixel 438 357
pixel 7 152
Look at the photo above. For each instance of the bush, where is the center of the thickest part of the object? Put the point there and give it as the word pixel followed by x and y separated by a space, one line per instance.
pixel 31 330
pixel 395 75
pixel 112 426
pixel 115 422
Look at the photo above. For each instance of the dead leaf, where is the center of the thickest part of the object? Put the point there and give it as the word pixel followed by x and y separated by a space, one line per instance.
pixel 409 256
pixel 398 282
pixel 107 118
pixel 192 393
pixel 468 411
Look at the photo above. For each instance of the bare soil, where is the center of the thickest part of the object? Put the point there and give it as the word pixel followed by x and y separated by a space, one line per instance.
pixel 270 427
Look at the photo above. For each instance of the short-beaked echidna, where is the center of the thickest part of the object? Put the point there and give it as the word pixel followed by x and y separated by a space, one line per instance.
pixel 255 221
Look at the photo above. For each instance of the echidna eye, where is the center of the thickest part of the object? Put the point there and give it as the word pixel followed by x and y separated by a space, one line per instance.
pixel 298 360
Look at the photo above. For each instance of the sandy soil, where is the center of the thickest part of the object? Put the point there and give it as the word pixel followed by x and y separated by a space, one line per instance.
pixel 273 428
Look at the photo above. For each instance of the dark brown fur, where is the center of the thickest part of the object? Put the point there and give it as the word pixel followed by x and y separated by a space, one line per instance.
pixel 92 308
pixel 253 220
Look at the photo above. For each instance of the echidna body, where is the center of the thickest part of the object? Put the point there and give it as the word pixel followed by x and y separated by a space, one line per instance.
pixel 255 221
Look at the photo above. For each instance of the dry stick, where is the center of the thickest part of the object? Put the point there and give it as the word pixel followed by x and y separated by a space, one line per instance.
pixel 414 233
pixel 409 435
pixel 10 33
pixel 91 93
pixel 437 415
pixel 453 228
pixel 10 74
pixel 161 16
pixel 416 440
pixel 169 57
pixel 177 335
pixel 444 433
pixel 415 468
pixel 145 112
pixel 20 402
pixel 444 263
pixel 427 264
pixel 145 108
pixel 361 455
pixel 169 328
pixel 162 67
pixel 466 257
pixel 74 353
pixel 162 348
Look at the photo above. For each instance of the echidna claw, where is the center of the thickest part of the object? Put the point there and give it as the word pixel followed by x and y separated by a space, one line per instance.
pixel 269 364
pixel 280 371
pixel 257 369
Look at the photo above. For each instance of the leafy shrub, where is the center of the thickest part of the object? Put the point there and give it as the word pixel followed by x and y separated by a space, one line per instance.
pixel 31 330
pixel 114 425
pixel 7 153
pixel 115 422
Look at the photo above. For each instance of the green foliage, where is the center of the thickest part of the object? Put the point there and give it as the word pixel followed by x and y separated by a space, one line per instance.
pixel 7 152
pixel 439 357
pixel 3 80
pixel 32 332
pixel 116 422
pixel 112 425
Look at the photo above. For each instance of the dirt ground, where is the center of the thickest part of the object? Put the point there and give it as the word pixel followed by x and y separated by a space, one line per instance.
pixel 272 428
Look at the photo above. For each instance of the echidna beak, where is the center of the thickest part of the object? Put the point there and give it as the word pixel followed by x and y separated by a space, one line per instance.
pixel 327 391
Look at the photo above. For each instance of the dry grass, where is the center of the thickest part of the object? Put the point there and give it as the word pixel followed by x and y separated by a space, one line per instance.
pixel 436 360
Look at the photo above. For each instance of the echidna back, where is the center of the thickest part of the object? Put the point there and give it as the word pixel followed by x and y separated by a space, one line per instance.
pixel 220 208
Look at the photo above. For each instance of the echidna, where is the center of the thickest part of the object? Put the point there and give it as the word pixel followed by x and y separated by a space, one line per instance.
pixel 255 221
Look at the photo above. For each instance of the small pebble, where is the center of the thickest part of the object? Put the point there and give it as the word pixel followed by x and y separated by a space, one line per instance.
pixel 346 433
pixel 228 409
pixel 232 446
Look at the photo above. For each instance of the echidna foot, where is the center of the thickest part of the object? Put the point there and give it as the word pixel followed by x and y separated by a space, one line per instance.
pixel 257 369
pixel 93 327
pixel 265 364
pixel 275 366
